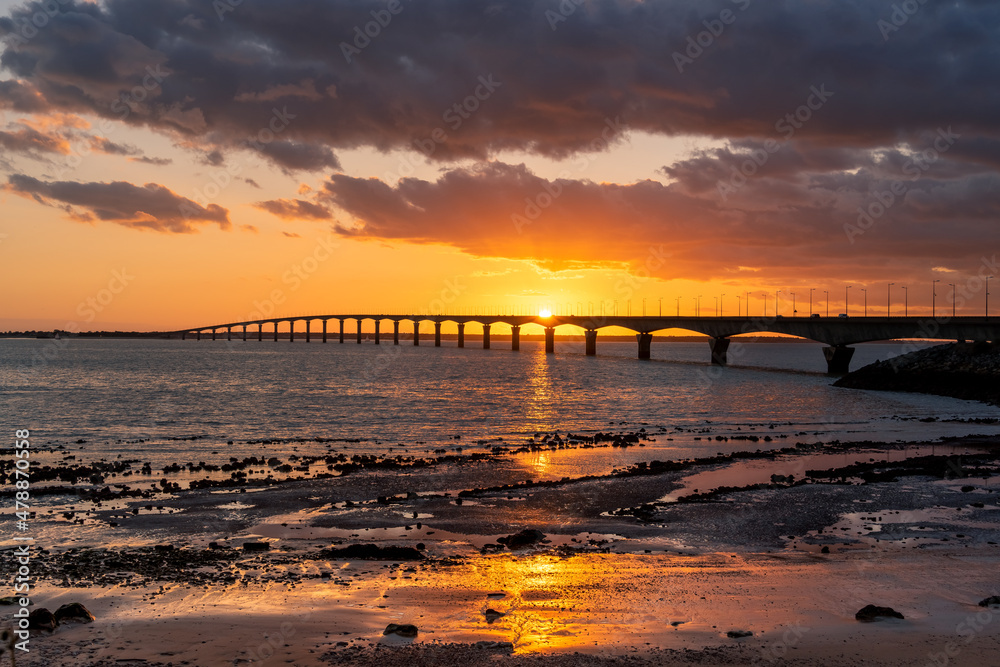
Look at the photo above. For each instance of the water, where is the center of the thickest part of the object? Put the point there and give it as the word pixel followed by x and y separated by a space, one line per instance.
pixel 406 399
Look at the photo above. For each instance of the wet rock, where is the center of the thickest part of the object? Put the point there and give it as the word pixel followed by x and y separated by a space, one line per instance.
pixel 403 630
pixel 493 615
pixel 373 552
pixel 526 538
pixel 164 547
pixel 873 612
pixel 42 619
pixel 256 546
pixel 736 634
pixel 504 647
pixel 991 600
pixel 74 611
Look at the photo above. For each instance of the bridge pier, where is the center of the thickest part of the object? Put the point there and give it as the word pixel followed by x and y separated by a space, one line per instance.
pixel 324 331
pixel 416 332
pixel 645 344
pixel 838 359
pixel 590 342
pixel 308 332
pixel 244 333
pixel 461 334
pixel 719 346
pixel 486 336
pixel 276 331
pixel 550 340
pixel 437 334
pixel 291 331
pixel 359 331
pixel 183 335
pixel 260 331
pixel 378 333
pixel 199 335
pixel 395 332
pixel 341 330
pixel 213 334
pixel 515 338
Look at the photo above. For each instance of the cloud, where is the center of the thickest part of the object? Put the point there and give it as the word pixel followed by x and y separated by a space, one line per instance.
pixel 460 67
pixel 295 209
pixel 786 227
pixel 151 206
pixel 32 142
pixel 158 161
pixel 104 145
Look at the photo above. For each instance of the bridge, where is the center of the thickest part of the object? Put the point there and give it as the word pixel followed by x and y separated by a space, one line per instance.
pixel 837 333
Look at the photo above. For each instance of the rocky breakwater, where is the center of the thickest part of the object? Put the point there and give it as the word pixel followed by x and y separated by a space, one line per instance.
pixel 960 370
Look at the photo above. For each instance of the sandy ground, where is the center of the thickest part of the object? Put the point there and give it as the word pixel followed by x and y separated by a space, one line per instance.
pixel 605 589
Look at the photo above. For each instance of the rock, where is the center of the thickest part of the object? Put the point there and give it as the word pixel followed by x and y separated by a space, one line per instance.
pixel 42 619
pixel 505 647
pixel 526 538
pixel 872 612
pixel 991 600
pixel 492 615
pixel 373 552
pixel 736 634
pixel 8 600
pixel 256 546
pixel 164 547
pixel 74 611
pixel 825 550
pixel 404 630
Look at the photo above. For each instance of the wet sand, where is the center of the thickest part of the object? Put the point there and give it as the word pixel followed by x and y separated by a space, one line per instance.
pixel 789 562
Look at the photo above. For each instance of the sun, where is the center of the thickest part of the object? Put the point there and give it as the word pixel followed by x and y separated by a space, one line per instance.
pixel 545 312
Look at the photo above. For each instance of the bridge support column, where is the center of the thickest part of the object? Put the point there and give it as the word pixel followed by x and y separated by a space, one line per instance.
pixel 324 331
pixel 341 331
pixel 515 338
pixel 486 336
pixel 378 333
pixel 838 359
pixel 395 332
pixel 437 334
pixel 276 331
pixel 308 331
pixel 461 334
pixel 260 331
pixel 213 334
pixel 416 332
pixel 291 331
pixel 645 343
pixel 183 335
pixel 359 331
pixel 719 346
pixel 590 342
pixel 199 335
pixel 229 333
pixel 244 333
pixel 550 340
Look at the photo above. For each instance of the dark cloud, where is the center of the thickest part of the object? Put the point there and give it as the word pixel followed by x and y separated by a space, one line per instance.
pixel 295 209
pixel 158 161
pixel 182 67
pixel 151 206
pixel 32 142
pixel 104 145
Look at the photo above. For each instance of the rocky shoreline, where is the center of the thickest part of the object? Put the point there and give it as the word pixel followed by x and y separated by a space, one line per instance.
pixel 968 371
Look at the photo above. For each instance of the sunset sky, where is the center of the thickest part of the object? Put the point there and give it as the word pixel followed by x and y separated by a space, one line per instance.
pixel 196 158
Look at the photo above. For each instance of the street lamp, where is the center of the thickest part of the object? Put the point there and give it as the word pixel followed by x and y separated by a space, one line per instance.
pixel 865 290
pixel 765 303
pixel 721 304
pixel 953 299
pixel 888 299
pixel 793 305
pixel 827 293
pixel 697 306
pixel 678 306
pixel 716 306
pixel 661 306
pixel 739 305
pixel 644 306
pixel 934 295
pixel 776 293
pixel 811 290
pixel 988 296
pixel 847 292
pixel 906 301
